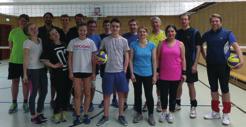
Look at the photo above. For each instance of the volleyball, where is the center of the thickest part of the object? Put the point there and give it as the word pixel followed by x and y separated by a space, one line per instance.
pixel 102 57
pixel 233 60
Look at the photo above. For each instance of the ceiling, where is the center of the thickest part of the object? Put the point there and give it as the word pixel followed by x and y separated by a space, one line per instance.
pixel 37 8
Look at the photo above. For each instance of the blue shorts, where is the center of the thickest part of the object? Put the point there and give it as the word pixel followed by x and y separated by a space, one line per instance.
pixel 114 80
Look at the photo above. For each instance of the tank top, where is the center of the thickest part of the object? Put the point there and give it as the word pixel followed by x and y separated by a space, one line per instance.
pixel 170 62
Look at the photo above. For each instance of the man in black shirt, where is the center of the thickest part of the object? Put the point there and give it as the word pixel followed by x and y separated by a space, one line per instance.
pixel 46 42
pixel 192 41
pixel 73 32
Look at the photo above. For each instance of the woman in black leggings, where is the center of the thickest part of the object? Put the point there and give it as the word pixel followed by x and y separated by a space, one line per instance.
pixel 143 71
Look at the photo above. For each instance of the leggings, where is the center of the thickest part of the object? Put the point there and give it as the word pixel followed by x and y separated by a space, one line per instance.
pixel 148 88
pixel 39 84
pixel 63 87
pixel 168 88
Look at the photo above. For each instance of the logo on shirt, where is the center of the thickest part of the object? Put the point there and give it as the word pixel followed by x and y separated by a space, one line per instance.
pixel 82 46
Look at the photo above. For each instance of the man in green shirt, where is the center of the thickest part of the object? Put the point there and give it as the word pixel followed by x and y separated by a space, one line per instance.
pixel 16 40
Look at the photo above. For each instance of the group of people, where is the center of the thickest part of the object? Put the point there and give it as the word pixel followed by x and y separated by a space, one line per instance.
pixel 165 58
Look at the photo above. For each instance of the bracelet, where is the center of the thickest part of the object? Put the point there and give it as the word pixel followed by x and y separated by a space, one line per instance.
pixel 183 72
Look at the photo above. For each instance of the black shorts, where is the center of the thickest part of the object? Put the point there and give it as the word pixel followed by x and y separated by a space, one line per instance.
pixel 15 71
pixel 221 73
pixel 191 77
pixel 82 75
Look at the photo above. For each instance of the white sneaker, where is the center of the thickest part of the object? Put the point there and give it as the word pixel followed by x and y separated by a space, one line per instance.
pixel 162 117
pixel 170 118
pixel 193 112
pixel 177 107
pixel 225 119
pixel 212 115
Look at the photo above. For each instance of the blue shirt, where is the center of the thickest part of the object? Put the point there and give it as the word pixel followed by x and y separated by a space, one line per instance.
pixel 130 37
pixel 142 59
pixel 96 38
pixel 218 45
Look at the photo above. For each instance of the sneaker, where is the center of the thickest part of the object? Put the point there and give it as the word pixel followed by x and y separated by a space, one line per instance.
pixel 36 120
pixel 163 117
pixel 226 119
pixel 212 115
pixel 77 121
pixel 193 112
pixel 138 117
pixel 63 116
pixel 91 108
pixel 42 118
pixel 13 108
pixel 115 103
pixel 170 118
pixel 103 120
pixel 177 107
pixel 125 106
pixel 101 105
pixel 122 120
pixel 158 106
pixel 151 120
pixel 86 119
pixel 145 109
pixel 56 118
pixel 25 108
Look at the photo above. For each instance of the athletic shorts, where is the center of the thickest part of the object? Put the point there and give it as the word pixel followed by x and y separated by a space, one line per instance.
pixel 191 77
pixel 82 75
pixel 15 71
pixel 114 80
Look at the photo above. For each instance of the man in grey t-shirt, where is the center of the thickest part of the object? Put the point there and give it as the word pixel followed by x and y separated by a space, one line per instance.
pixel 114 77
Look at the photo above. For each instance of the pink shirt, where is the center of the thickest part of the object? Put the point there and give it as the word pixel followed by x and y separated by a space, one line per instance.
pixel 170 62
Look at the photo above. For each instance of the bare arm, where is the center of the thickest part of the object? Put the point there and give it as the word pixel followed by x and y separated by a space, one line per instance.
pixel 10 45
pixel 194 67
pixel 25 64
pixel 182 48
pixel 70 64
pixel 93 61
pixel 154 65
pixel 239 53
pixel 131 65
pixel 126 61
pixel 49 64
pixel 203 51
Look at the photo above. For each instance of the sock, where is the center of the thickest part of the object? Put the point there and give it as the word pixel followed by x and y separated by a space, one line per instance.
pixel 226 107
pixel 25 100
pixel 178 102
pixel 14 101
pixel 215 105
pixel 193 103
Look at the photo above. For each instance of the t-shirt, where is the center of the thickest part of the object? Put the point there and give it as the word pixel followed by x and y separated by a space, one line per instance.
pixel 82 54
pixel 56 54
pixel 17 37
pixel 130 37
pixel 72 33
pixel 191 38
pixel 142 60
pixel 156 39
pixel 218 45
pixel 35 50
pixel 103 35
pixel 115 49
pixel 96 38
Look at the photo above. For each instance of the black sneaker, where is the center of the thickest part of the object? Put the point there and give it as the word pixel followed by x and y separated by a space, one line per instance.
pixel 122 120
pixel 103 120
pixel 101 105
pixel 42 118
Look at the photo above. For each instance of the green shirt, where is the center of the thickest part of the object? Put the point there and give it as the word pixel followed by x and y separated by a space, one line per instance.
pixel 17 37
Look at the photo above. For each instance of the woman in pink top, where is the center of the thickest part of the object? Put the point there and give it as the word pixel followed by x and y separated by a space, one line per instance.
pixel 172 69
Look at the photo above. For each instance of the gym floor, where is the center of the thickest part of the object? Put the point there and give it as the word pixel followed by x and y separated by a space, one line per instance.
pixel 20 119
